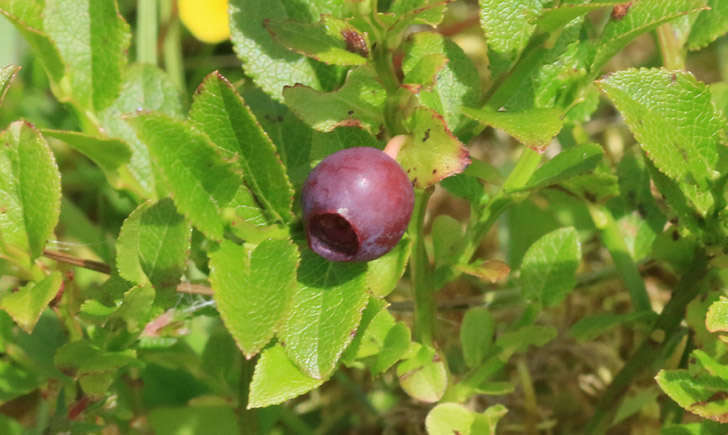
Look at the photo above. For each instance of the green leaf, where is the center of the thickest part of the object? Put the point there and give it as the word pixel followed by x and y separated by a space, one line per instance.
pixel 534 128
pixel 447 239
pixel 508 26
pixel 359 102
pixel 465 186
pixel 591 327
pixel 431 152
pixel 196 419
pixel 701 394
pixel 699 428
pixel 26 305
pixel 709 26
pixel 643 16
pixel 7 75
pixel 276 379
pixel 395 345
pixel 202 184
pixel 549 267
pixel 136 307
pixel 716 319
pixel 673 119
pixel 476 335
pixel 109 154
pixel 325 313
pixel 702 362
pixel 219 111
pixel 453 418
pixel 568 163
pixel 93 38
pixel 253 290
pixel 424 376
pixel 28 19
pixel 144 88
pixel 330 41
pixel 520 339
pixel 153 245
pixel 373 313
pixel 552 19
pixel 384 273
pixel 83 357
pixel 271 66
pixel 491 271
pixel 424 73
pixel 30 190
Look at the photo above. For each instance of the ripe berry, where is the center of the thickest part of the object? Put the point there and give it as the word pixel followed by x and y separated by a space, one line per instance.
pixel 356 205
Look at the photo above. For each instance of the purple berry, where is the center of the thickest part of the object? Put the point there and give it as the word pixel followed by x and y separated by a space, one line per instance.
pixel 356 205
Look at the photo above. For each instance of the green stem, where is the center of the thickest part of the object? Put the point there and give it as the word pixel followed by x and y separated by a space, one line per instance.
pixel 421 272
pixel 671 48
pixel 147 31
pixel 613 240
pixel 172 46
pixel 649 351
pixel 248 417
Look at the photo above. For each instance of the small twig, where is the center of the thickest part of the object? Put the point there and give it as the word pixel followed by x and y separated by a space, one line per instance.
pixel 80 262
pixel 195 289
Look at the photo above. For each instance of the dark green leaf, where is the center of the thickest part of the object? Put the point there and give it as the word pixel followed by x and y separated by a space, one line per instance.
pixel 193 420
pixel 568 163
pixel 710 25
pixel 476 335
pixel 549 267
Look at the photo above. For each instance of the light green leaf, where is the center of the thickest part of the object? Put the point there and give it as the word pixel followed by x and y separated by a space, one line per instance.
pixel 144 88
pixel 271 66
pixel 701 394
pixel 431 152
pixel 26 305
pixel 568 163
pixel 424 376
pixel 191 420
pixel 673 119
pixel 109 154
pixel 508 26
pixel 331 40
pixel 359 102
pixel 549 267
pixel 325 313
pixel 716 319
pixel 253 290
pixel 476 335
pixel 552 19
pixel 520 339
pixel 153 245
pixel 487 421
pixel 453 418
pixel 30 190
pixel 643 16
pixel 395 345
pixel 447 239
pixel 701 362
pixel 457 84
pixel 375 322
pixel 7 75
pixel 710 25
pixel 424 73
pixel 534 127
pixel 219 111
pixel 590 327
pixel 384 273
pixel 276 379
pixel 202 184
pixel 93 39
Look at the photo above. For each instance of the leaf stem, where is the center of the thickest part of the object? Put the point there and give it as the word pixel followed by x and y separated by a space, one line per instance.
pixel 649 351
pixel 420 270
pixel 146 41
pixel 171 45
pixel 671 48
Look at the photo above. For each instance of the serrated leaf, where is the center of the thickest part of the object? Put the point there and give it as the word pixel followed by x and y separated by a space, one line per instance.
pixel 424 73
pixel 409 12
pixel 709 26
pixel 202 184
pixel 253 290
pixel 552 19
pixel 30 189
pixel 276 379
pixel 7 75
pixel 457 84
pixel 325 313
pixel 508 26
pixel 330 41
pixel 590 327
pixel 372 311
pixel 431 152
pixel 643 16
pixel 489 270
pixel 109 154
pixel 144 88
pixel 424 376
pixel 476 335
pixel 219 111
pixel 153 245
pixel 702 394
pixel 26 305
pixel 716 319
pixel 534 127
pixel 549 267
pixel 94 38
pixel 359 102
pixel 673 119
pixel 384 273
pixel 271 66
pixel 568 163
pixel 394 347
pixel 465 186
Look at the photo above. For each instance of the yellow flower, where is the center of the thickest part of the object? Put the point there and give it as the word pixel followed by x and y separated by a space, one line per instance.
pixel 207 20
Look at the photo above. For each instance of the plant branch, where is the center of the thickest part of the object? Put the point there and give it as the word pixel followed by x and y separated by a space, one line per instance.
pixel 147 31
pixel 421 272
pixel 649 351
